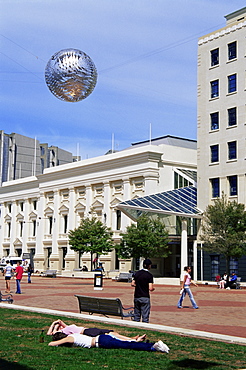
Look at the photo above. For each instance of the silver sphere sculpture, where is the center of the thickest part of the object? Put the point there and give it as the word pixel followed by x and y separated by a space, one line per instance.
pixel 71 75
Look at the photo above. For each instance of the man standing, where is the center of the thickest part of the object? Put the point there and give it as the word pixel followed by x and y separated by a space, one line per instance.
pixel 18 275
pixel 143 283
pixel 8 271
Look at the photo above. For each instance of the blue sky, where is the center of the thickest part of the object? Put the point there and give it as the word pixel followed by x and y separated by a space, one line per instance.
pixel 145 52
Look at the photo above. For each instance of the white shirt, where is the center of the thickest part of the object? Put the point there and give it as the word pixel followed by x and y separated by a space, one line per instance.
pixel 81 340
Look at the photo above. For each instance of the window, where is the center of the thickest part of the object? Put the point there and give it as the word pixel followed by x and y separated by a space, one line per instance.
pixel 232 116
pixel 232 50
pixel 233 185
pixel 65 224
pixel 50 224
pixel 214 153
pixel 214 57
pixel 214 88
pixel 232 83
pixel 215 261
pixel 233 265
pixel 215 187
pixel 21 228
pixel 214 119
pixel 34 224
pixel 232 150
pixel 118 219
pixel 21 206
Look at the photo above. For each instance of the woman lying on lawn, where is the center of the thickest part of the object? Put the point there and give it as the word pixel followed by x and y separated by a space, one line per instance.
pixel 105 341
pixel 59 326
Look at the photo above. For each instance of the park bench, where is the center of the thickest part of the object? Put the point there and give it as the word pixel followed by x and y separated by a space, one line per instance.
pixel 104 306
pixel 6 298
pixel 50 273
pixel 124 276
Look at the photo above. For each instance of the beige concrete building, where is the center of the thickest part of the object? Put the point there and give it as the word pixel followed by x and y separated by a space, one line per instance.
pixel 222 112
pixel 37 212
pixel 221 146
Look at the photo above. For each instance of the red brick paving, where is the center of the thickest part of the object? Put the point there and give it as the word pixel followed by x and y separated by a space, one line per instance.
pixel 220 311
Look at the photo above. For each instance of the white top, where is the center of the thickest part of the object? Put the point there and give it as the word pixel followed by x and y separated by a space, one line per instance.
pixel 81 340
pixel 8 270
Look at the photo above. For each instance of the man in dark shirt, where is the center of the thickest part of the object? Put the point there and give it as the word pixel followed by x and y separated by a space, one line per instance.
pixel 143 283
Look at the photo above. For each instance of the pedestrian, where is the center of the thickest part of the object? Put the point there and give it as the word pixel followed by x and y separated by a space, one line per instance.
pixel 8 272
pixel 143 283
pixel 29 273
pixel 105 341
pixel 18 276
pixel 185 289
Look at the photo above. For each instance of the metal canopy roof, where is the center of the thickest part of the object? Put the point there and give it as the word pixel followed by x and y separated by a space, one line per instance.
pixel 179 202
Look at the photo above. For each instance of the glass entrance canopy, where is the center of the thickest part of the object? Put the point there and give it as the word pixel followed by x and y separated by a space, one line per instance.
pixel 179 202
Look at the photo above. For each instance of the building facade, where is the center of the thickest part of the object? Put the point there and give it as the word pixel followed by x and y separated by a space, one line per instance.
pixel 37 212
pixel 22 156
pixel 221 125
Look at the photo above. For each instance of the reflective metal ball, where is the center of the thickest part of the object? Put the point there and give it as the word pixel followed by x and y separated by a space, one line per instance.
pixel 71 75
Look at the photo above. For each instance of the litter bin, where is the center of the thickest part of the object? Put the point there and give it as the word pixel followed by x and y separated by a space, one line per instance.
pixel 98 282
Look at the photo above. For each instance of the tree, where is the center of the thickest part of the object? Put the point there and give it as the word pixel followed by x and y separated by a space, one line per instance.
pixel 91 236
pixel 148 238
pixel 223 229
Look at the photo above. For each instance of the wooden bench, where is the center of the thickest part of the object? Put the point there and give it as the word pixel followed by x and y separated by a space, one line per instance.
pixel 50 273
pixel 6 298
pixel 124 276
pixel 104 306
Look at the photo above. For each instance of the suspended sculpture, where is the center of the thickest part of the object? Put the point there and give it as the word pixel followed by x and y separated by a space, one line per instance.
pixel 70 75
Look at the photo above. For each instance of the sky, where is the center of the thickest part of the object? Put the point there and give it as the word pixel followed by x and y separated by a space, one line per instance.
pixel 145 52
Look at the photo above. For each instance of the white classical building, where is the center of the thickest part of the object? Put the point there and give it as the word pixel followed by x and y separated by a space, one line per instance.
pixel 37 212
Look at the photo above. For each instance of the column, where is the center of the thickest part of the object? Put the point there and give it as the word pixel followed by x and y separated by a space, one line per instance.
pixel 39 258
pixel 184 249
pixel 107 209
pixel 195 260
pixel 54 258
pixel 71 255
pixel 13 228
pixel 26 226
pixel 88 199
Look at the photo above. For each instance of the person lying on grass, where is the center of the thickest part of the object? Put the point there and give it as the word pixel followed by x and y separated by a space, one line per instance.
pixel 58 326
pixel 105 341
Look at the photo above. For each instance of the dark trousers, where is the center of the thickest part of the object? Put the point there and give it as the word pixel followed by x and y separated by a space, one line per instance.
pixel 141 309
pixel 106 341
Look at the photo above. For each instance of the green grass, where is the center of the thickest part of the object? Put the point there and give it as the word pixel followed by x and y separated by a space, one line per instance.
pixel 20 349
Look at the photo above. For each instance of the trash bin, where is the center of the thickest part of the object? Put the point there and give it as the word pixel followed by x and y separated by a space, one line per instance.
pixel 98 282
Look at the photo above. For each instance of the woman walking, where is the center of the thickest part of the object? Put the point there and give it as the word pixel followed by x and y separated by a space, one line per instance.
pixel 186 288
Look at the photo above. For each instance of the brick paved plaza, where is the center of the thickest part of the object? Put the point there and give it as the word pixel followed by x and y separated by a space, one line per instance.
pixel 220 311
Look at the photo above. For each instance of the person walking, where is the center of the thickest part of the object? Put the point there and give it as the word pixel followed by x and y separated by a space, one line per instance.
pixel 18 276
pixel 29 273
pixel 185 289
pixel 143 283
pixel 7 272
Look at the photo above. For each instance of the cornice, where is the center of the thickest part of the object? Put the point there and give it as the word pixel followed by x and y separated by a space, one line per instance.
pixel 222 32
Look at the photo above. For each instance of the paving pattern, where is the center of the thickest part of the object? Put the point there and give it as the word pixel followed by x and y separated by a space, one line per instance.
pixel 220 311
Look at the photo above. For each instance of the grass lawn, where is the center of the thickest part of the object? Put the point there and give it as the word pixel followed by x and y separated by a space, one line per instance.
pixel 20 349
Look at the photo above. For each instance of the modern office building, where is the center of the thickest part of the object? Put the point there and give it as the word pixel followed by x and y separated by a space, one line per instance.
pixel 37 212
pixel 221 146
pixel 22 156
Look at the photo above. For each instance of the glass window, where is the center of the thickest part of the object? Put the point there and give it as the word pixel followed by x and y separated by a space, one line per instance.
pixel 232 116
pixel 232 50
pixel 214 88
pixel 214 57
pixel 233 265
pixel 215 187
pixel 214 153
pixel 232 150
pixel 233 185
pixel 232 83
pixel 214 119
pixel 215 261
